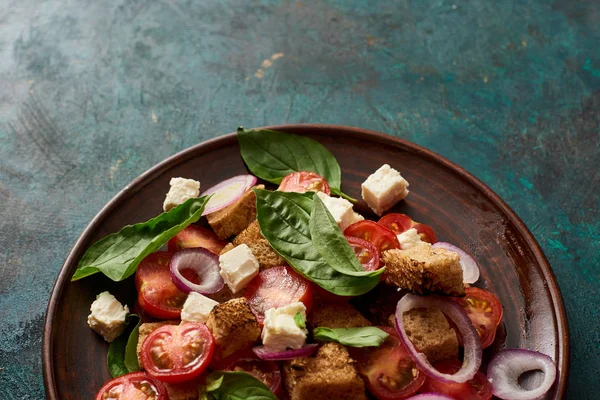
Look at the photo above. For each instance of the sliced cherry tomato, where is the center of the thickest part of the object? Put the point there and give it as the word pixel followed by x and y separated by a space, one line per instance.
pixel 478 388
pixel 133 386
pixel 197 236
pixel 378 235
pixel 157 295
pixel 178 353
pixel 366 253
pixel 399 223
pixel 388 370
pixel 277 287
pixel 485 312
pixel 304 181
pixel 246 361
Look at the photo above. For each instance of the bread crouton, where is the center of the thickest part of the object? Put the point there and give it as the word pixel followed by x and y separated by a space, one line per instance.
pixel 233 326
pixel 431 333
pixel 146 329
pixel 330 374
pixel 341 315
pixel 262 250
pixel 424 269
pixel 234 218
pixel 184 391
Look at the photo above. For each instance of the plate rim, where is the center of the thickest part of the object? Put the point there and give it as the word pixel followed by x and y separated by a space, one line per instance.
pixel 563 345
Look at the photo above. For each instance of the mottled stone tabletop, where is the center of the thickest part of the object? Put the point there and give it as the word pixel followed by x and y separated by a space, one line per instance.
pixel 93 93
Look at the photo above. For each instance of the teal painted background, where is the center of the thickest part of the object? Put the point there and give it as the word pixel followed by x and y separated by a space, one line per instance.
pixel 93 93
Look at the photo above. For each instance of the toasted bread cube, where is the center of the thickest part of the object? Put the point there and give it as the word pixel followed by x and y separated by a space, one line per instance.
pixel 233 326
pixel 384 188
pixel 341 315
pixel 330 374
pixel 185 390
pixel 234 218
pixel 423 269
pixel 146 329
pixel 262 250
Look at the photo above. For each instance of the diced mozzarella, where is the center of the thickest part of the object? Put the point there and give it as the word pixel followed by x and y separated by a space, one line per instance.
pixel 108 316
pixel 280 330
pixel 197 307
pixel 341 210
pixel 181 190
pixel 238 267
pixel 409 239
pixel 384 188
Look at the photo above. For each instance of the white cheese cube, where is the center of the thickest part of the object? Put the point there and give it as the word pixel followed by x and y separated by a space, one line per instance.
pixel 384 188
pixel 280 330
pixel 108 316
pixel 341 210
pixel 409 239
pixel 238 267
pixel 197 307
pixel 181 190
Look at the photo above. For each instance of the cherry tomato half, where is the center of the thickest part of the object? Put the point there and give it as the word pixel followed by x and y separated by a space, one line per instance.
pixel 485 312
pixel 157 295
pixel 246 361
pixel 133 386
pixel 277 287
pixel 378 235
pixel 389 372
pixel 366 253
pixel 478 388
pixel 177 353
pixel 197 236
pixel 304 181
pixel 399 223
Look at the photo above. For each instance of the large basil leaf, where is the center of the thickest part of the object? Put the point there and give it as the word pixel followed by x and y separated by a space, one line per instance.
pixel 131 359
pixel 118 255
pixel 225 385
pixel 369 336
pixel 284 221
pixel 271 155
pixel 330 242
pixel 122 349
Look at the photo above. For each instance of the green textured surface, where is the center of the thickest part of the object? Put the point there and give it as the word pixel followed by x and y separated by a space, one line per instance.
pixel 92 93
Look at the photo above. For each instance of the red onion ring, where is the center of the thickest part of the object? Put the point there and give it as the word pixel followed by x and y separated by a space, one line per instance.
pixel 430 396
pixel 508 365
pixel 265 354
pixel 204 264
pixel 472 345
pixel 468 264
pixel 227 192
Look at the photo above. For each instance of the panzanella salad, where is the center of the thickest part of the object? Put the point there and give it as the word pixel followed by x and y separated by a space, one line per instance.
pixel 271 286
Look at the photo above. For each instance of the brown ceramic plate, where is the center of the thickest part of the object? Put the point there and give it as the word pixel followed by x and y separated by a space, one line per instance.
pixel 461 209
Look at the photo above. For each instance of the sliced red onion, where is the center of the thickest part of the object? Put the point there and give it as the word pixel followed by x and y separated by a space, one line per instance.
pixel 203 263
pixel 430 396
pixel 508 365
pixel 472 345
pixel 227 192
pixel 265 354
pixel 468 264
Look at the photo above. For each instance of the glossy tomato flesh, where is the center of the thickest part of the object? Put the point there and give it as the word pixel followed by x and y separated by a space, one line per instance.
pixel 157 295
pixel 304 181
pixel 484 310
pixel 197 236
pixel 399 223
pixel 277 287
pixel 133 386
pixel 367 254
pixel 246 361
pixel 378 235
pixel 389 372
pixel 478 388
pixel 178 353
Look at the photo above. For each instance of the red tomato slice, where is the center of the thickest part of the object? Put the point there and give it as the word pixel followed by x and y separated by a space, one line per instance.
pixel 366 253
pixel 177 353
pixel 304 181
pixel 277 287
pixel 157 295
pixel 133 386
pixel 197 236
pixel 478 388
pixel 378 235
pixel 389 372
pixel 246 361
pixel 485 312
pixel 399 223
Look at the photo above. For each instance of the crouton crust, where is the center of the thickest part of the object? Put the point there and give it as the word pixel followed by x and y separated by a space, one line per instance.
pixel 341 315
pixel 234 218
pixel 262 250
pixel 423 269
pixel 330 374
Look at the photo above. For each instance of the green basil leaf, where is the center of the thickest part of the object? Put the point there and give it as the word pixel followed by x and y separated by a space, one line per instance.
pixel 116 359
pixel 225 385
pixel 118 255
pixel 299 320
pixel 283 218
pixel 369 336
pixel 131 359
pixel 271 155
pixel 330 242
